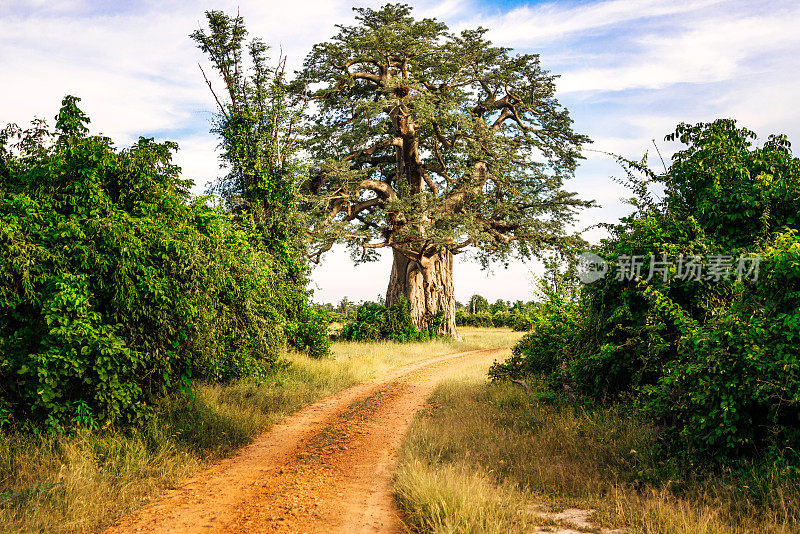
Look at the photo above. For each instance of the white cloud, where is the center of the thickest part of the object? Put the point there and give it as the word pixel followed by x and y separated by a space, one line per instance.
pixel 445 10
pixel 534 25
pixel 197 156
pixel 712 49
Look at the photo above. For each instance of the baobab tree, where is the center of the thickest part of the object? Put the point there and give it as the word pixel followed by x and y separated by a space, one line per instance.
pixel 430 143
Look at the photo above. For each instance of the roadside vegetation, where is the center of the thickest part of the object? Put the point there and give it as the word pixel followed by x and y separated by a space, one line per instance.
pixel 492 457
pixel 711 360
pixel 117 287
pixel 375 320
pixel 83 480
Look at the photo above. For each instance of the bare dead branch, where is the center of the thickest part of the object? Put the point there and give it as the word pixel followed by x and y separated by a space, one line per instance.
pixel 430 182
pixel 521 383
pixel 208 83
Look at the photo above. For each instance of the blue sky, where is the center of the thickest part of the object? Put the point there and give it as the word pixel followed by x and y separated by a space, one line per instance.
pixel 630 71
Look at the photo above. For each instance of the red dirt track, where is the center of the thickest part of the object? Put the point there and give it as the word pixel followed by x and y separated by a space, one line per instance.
pixel 327 468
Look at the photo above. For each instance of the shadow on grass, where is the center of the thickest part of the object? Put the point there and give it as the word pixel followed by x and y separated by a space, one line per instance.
pixel 201 428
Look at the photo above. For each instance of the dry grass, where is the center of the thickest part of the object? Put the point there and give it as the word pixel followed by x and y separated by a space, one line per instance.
pixel 454 497
pixel 438 489
pixel 82 482
pixel 493 451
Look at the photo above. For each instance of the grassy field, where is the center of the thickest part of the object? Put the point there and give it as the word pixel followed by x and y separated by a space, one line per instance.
pixel 492 458
pixel 82 482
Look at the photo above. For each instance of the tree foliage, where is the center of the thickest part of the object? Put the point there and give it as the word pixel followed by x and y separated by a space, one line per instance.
pixel 424 140
pixel 478 304
pixel 256 125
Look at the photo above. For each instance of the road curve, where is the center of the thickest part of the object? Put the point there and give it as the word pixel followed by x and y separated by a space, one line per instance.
pixel 327 468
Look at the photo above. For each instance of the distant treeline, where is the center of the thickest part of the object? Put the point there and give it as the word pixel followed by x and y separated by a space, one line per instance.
pixel 475 312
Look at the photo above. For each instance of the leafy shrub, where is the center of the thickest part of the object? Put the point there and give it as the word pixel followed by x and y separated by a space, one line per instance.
pixel 552 336
pixel 116 286
pixel 522 322
pixel 733 389
pixel 480 320
pixel 714 363
pixel 366 325
pixel 501 319
pixel 310 332
pixel 498 319
pixel 375 321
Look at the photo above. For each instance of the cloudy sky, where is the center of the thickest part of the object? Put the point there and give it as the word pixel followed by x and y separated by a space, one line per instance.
pixel 630 71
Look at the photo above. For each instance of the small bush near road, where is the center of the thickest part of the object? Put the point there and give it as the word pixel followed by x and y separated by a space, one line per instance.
pixel 375 321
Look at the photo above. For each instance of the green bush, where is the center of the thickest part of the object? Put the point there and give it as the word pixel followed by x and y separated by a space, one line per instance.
pixel 552 337
pixel 522 322
pixel 502 319
pixel 498 319
pixel 733 389
pixel 375 321
pixel 309 332
pixel 714 363
pixel 116 286
pixel 481 319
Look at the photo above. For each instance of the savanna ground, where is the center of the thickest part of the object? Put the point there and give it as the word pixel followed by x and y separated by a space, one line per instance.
pixel 87 480
pixel 495 458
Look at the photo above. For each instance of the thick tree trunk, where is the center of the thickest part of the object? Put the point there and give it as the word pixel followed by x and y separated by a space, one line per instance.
pixel 428 288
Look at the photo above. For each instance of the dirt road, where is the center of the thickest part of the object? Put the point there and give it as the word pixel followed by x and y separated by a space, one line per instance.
pixel 326 468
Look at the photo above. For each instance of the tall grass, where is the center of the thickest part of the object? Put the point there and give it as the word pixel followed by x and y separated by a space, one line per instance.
pixel 456 497
pixel 83 481
pixel 493 450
